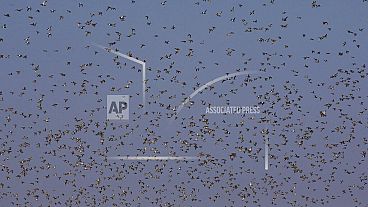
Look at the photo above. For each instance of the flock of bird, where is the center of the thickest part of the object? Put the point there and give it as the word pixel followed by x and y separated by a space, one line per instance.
pixel 310 84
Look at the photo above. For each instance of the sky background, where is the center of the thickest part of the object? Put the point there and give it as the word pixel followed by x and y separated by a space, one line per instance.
pixel 310 85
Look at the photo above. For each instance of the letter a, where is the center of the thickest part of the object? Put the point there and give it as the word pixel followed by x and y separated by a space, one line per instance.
pixel 113 107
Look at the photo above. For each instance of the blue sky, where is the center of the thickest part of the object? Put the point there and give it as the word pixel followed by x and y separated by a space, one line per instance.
pixel 56 141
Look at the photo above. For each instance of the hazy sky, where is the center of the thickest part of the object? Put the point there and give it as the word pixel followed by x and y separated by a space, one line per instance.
pixel 309 82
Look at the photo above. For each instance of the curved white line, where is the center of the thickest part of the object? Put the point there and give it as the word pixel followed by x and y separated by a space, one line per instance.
pixel 153 158
pixel 211 83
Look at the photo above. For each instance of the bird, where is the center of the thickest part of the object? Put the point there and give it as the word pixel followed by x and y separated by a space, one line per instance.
pixel 201 136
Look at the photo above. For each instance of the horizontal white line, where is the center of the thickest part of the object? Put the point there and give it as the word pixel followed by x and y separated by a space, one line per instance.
pixel 153 158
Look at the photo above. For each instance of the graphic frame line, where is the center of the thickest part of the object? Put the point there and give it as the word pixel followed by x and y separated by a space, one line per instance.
pixel 142 63
pixel 208 84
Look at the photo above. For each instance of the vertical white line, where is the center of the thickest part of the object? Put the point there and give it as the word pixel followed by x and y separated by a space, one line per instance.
pixel 266 152
pixel 144 84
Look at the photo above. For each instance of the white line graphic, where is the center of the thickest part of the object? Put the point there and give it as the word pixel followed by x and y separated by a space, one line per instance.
pixel 266 152
pixel 211 83
pixel 158 158
pixel 136 61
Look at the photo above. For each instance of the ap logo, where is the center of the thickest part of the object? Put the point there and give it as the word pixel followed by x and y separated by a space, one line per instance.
pixel 117 107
